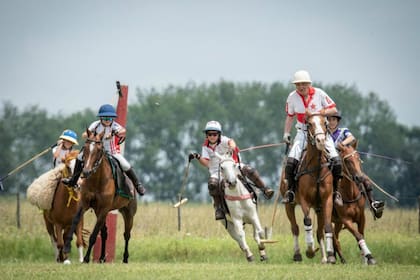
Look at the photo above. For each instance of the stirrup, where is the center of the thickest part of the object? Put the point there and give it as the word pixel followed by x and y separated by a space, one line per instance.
pixel 378 208
pixel 288 197
pixel 338 200
pixel 219 215
pixel 268 193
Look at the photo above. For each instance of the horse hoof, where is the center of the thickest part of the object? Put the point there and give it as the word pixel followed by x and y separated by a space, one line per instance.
pixel 371 261
pixel 250 258
pixel 331 260
pixel 310 254
pixel 297 257
pixel 343 261
pixel 67 261
pixel 263 258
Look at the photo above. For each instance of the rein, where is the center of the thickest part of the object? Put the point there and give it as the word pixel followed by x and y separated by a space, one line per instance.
pixel 98 160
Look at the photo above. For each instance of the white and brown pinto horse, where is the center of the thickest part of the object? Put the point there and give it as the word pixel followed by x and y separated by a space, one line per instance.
pixel 314 190
pixel 241 206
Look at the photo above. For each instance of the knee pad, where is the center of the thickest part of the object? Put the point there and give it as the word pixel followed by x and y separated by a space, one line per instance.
pixel 213 185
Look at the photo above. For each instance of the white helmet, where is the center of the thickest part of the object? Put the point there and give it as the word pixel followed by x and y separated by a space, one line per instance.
pixel 301 76
pixel 213 126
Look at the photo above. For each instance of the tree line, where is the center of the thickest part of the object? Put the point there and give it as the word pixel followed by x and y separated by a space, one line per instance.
pixel 165 125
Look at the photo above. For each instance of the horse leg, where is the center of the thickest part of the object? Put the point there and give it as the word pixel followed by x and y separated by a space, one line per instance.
pixel 309 238
pixel 128 225
pixel 104 237
pixel 290 211
pixel 235 229
pixel 368 258
pixel 337 244
pixel 258 235
pixel 69 236
pixel 79 239
pixel 320 236
pixel 328 229
pixel 100 222
pixel 51 233
pixel 59 231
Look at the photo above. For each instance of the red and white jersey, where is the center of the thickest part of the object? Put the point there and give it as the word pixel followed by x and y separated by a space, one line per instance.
pixel 208 152
pixel 109 144
pixel 296 105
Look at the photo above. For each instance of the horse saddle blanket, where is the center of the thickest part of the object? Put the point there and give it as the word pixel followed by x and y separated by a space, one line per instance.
pixel 123 184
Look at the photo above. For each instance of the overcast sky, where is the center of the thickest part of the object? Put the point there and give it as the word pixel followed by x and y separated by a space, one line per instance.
pixel 66 55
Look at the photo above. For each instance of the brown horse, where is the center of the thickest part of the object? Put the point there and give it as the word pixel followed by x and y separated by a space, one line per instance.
pixel 99 192
pixel 59 218
pixel 314 190
pixel 353 209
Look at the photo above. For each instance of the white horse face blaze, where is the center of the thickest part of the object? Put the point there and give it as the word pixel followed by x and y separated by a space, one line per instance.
pixel 319 133
pixel 228 169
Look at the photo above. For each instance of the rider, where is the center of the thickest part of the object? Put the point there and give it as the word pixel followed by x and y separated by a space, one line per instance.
pixel 64 146
pixel 345 137
pixel 307 100
pixel 106 123
pixel 216 142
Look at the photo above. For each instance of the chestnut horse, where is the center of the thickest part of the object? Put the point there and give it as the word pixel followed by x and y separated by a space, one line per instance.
pixel 314 190
pixel 59 218
pixel 353 209
pixel 99 192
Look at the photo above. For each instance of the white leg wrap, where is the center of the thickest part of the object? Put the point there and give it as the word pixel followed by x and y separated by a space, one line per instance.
pixel 309 238
pixel 364 247
pixel 329 242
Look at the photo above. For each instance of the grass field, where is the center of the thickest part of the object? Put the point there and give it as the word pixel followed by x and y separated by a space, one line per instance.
pixel 203 249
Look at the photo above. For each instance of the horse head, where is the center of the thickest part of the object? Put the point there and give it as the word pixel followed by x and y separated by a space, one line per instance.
pixel 351 161
pixel 93 151
pixel 228 168
pixel 317 130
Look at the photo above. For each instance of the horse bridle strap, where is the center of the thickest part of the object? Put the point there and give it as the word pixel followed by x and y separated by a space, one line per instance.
pixel 239 197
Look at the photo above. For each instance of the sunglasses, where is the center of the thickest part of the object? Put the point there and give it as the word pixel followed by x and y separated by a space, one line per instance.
pixel 212 134
pixel 107 119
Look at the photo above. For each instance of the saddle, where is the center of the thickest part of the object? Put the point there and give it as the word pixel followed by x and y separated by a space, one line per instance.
pixel 123 185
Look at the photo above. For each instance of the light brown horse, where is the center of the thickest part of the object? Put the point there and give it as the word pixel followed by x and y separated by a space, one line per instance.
pixel 353 209
pixel 314 190
pixel 99 193
pixel 59 218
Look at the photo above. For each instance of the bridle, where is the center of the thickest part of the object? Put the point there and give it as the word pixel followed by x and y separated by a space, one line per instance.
pixel 98 160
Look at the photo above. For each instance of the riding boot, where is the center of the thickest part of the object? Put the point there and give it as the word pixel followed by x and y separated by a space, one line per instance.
pixel 253 175
pixel 376 205
pixel 289 196
pixel 336 172
pixel 215 192
pixel 219 214
pixel 137 184
pixel 78 168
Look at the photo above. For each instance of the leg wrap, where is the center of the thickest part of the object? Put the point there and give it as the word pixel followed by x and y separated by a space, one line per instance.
pixel 213 185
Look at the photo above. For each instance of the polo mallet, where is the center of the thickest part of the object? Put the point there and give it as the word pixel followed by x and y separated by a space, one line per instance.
pixel 25 164
pixel 269 231
pixel 182 200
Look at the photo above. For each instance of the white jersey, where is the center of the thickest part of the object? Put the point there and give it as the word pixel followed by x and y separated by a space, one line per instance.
pixel 59 159
pixel 207 152
pixel 296 105
pixel 109 144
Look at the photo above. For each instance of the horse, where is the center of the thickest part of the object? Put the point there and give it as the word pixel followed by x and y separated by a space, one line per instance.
pixel 353 209
pixel 98 191
pixel 58 219
pixel 314 190
pixel 241 207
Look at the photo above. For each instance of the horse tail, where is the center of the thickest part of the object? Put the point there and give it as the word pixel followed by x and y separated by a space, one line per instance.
pixel 85 236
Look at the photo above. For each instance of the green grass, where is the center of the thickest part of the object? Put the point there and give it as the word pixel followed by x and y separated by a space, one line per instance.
pixel 203 249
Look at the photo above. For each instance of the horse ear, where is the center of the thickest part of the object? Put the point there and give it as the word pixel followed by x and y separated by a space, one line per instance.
pixel 101 135
pixel 88 132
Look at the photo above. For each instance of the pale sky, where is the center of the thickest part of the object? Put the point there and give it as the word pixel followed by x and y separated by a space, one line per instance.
pixel 66 55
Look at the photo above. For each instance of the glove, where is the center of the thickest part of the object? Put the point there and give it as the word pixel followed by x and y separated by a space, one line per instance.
pixel 192 156
pixel 286 138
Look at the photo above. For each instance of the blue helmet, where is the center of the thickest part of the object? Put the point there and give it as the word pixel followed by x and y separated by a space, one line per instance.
pixel 107 110
pixel 70 136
